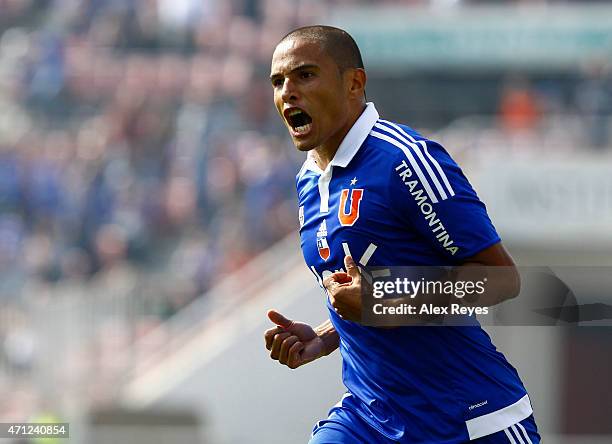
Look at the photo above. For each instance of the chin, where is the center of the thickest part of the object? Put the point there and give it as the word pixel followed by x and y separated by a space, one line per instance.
pixel 303 145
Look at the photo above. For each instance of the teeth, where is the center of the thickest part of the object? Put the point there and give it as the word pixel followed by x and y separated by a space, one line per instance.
pixel 293 112
pixel 303 129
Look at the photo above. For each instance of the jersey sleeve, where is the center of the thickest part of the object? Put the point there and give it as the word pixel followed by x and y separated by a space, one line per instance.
pixel 429 192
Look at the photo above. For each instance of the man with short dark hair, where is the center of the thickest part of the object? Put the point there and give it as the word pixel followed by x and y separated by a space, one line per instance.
pixel 381 191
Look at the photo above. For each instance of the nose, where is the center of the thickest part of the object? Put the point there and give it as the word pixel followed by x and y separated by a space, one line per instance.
pixel 288 93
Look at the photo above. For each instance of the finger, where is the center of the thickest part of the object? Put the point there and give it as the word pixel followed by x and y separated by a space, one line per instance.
pixel 295 359
pixel 285 346
pixel 339 298
pixel 351 267
pixel 339 307
pixel 343 278
pixel 276 344
pixel 329 281
pixel 279 319
pixel 269 336
pixel 337 278
pixel 341 294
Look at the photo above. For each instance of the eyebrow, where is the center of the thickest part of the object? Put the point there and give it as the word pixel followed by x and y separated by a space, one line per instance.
pixel 297 68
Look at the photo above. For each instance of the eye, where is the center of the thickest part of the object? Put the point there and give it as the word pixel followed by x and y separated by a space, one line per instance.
pixel 277 82
pixel 306 74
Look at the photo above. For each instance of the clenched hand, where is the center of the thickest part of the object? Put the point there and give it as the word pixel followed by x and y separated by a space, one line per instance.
pixel 344 290
pixel 292 343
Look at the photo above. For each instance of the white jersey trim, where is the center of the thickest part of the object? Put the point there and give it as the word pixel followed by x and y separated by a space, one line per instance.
pixel 323 184
pixel 303 169
pixel 527 438
pixel 413 163
pixel 410 141
pixel 511 439
pixel 517 434
pixel 346 151
pixel 431 158
pixel 351 143
pixel 419 154
pixel 500 419
pixel 438 167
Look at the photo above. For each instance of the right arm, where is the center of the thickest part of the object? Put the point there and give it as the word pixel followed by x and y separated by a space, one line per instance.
pixel 295 343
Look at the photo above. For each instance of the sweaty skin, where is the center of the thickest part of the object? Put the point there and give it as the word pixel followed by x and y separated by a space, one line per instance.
pixel 303 76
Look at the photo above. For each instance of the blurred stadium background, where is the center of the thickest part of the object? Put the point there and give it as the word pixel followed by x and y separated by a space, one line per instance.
pixel 147 215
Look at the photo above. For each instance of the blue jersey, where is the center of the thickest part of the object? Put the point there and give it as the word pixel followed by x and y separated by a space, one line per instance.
pixel 390 197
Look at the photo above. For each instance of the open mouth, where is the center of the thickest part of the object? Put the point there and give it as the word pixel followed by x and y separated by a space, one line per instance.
pixel 300 121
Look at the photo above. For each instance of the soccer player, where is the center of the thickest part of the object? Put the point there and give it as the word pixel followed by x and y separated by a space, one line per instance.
pixel 379 192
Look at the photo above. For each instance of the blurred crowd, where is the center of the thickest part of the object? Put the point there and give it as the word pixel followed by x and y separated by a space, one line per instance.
pixel 140 154
pixel 140 133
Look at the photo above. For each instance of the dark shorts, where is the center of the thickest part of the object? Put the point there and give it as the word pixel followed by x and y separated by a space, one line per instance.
pixel 343 426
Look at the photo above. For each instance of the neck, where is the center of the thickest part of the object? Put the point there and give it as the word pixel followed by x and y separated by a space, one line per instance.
pixel 324 153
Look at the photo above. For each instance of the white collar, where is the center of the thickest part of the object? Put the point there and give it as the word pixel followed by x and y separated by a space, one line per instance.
pixel 351 142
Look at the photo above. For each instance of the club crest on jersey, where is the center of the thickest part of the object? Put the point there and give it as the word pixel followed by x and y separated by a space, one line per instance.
pixel 322 245
pixel 349 218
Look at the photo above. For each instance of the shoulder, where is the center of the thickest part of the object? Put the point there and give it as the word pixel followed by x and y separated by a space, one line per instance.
pixel 400 139
pixel 417 160
pixel 400 143
pixel 397 130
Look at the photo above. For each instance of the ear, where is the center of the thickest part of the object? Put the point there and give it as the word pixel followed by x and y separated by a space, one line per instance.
pixel 356 81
